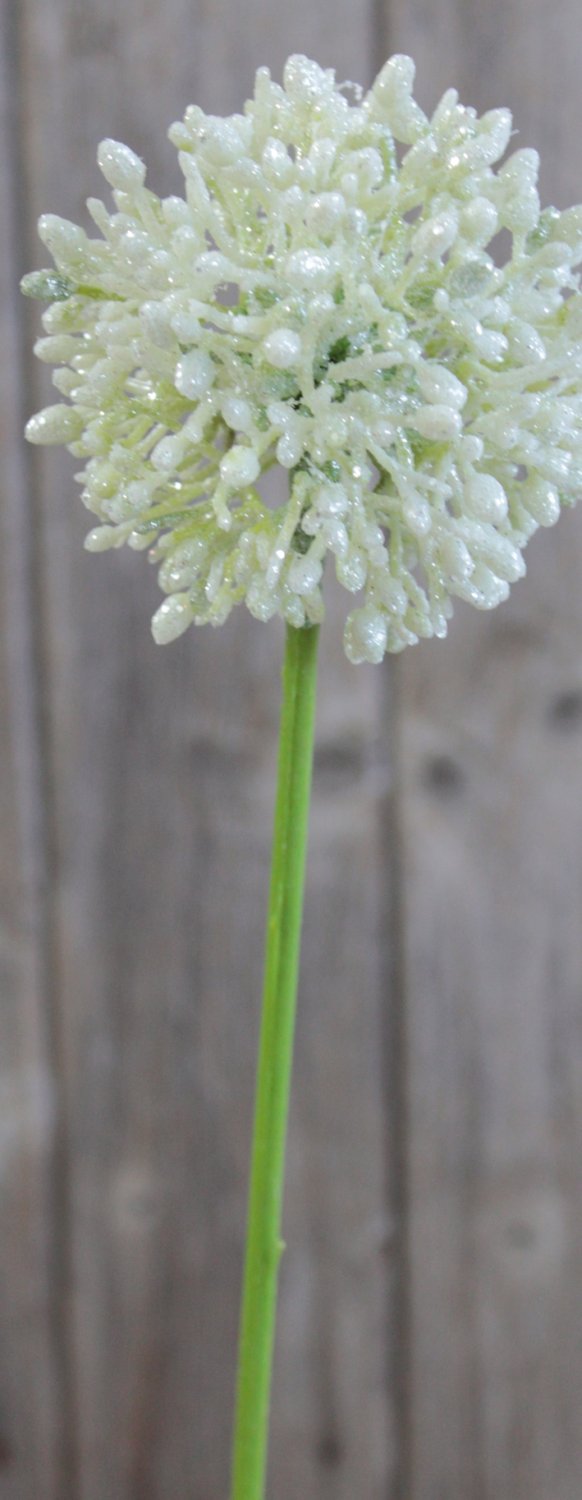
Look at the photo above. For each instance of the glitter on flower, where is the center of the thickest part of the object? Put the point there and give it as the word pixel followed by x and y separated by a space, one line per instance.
pixel 325 300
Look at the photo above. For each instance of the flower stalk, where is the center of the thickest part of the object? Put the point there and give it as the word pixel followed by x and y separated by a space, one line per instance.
pixel 282 947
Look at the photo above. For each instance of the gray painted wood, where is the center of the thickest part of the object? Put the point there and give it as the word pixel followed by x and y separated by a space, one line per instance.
pixel 161 773
pixel 491 874
pixel 429 1343
pixel 31 1367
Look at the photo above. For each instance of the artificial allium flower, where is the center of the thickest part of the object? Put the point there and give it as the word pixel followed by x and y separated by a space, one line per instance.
pixel 327 301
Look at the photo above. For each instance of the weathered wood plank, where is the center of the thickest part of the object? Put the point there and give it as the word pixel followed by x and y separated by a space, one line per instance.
pixel 162 764
pixel 491 842
pixel 31 1345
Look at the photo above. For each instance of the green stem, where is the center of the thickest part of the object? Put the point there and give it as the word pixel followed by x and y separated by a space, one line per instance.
pixel 283 936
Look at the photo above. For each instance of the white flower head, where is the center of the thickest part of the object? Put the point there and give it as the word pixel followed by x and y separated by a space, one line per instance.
pixel 326 300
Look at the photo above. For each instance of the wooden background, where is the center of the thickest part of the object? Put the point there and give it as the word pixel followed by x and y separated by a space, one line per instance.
pixel 430 1339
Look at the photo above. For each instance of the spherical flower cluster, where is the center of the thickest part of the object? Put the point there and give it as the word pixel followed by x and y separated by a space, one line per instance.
pixel 324 298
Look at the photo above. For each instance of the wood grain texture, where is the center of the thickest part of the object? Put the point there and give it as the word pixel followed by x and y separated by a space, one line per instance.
pixel 162 776
pixel 31 1343
pixel 430 1337
pixel 491 879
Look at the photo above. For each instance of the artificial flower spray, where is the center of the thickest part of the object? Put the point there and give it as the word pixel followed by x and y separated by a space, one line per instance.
pixel 324 298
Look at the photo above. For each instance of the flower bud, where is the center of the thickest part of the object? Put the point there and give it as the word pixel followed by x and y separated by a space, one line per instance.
pixel 120 166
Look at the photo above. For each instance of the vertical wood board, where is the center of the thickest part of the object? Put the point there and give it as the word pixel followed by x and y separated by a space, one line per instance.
pixel 162 764
pixel 489 797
